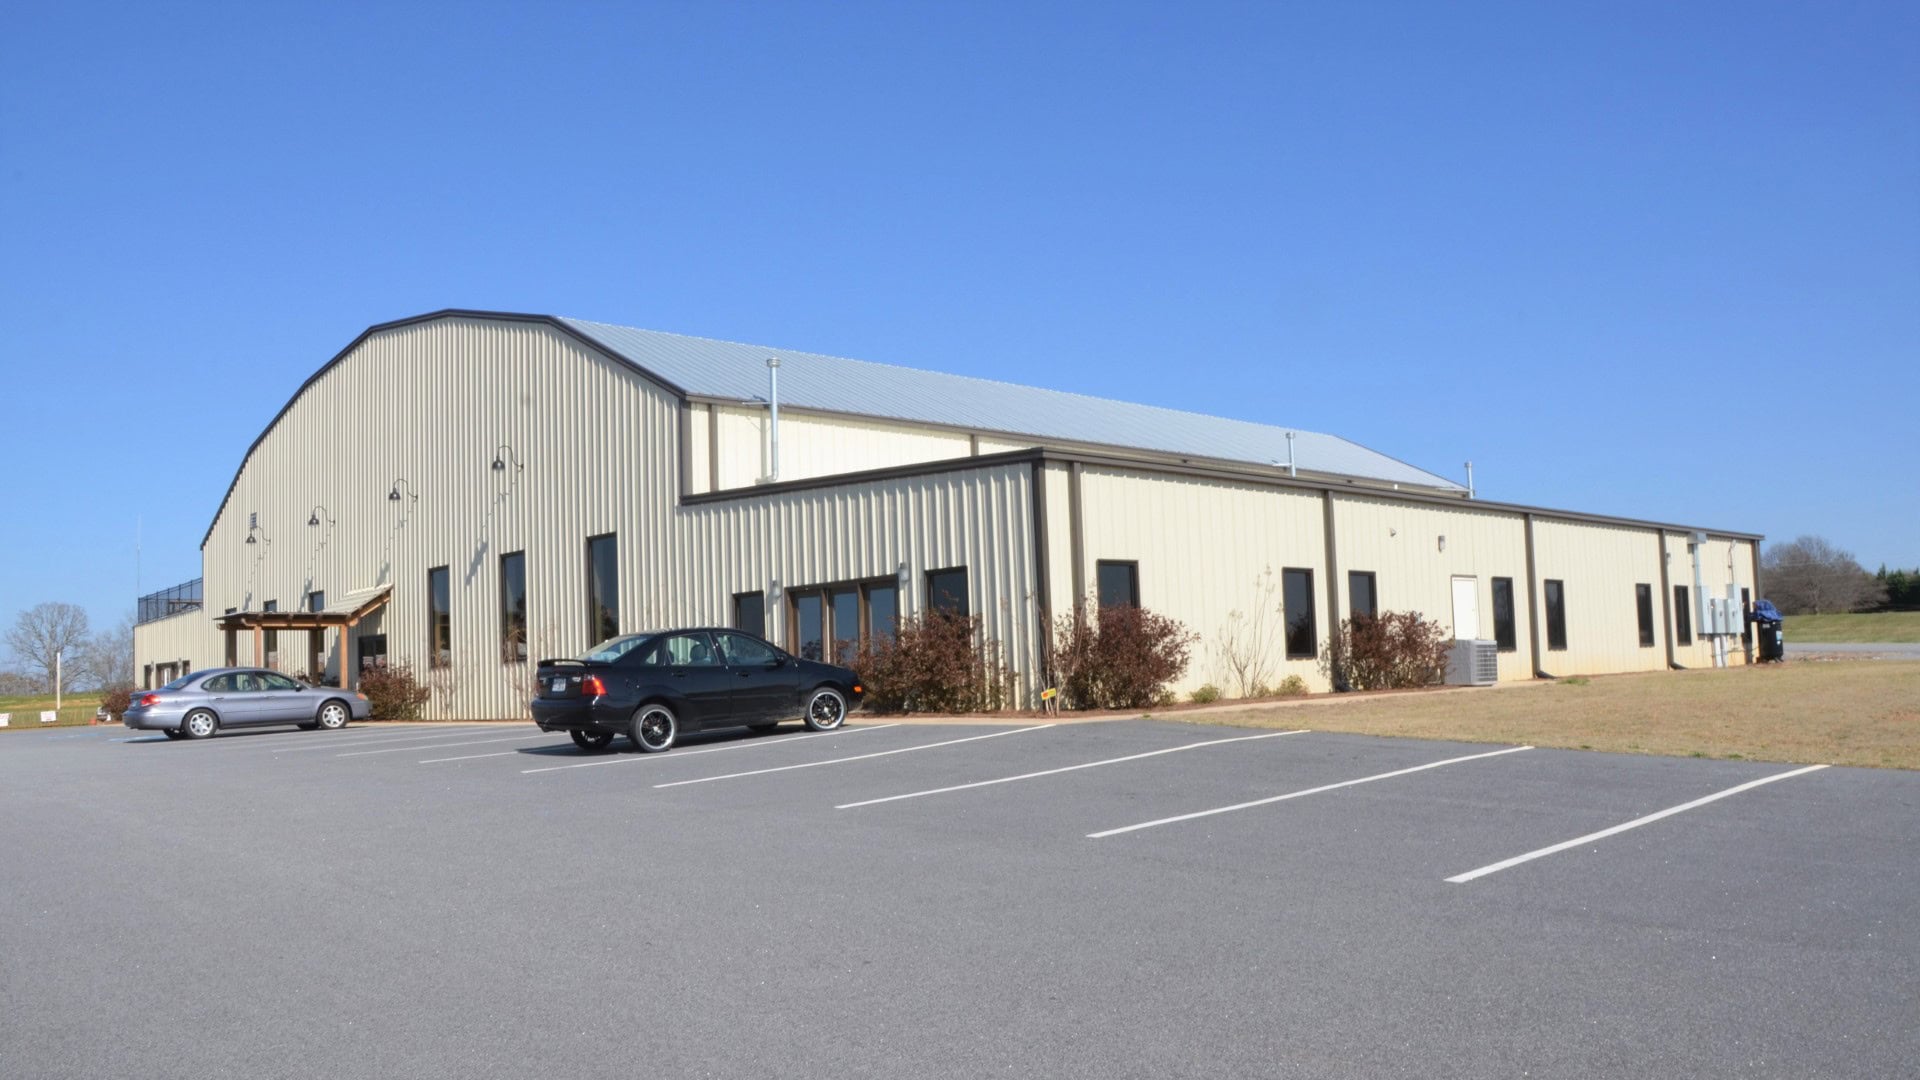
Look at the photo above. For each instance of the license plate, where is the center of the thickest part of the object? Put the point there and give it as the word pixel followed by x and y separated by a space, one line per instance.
pixel 559 686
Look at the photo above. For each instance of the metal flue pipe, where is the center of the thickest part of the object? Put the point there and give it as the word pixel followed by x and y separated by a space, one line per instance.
pixel 773 425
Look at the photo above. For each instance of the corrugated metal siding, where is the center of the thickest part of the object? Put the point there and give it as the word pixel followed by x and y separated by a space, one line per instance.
pixel 188 636
pixel 730 370
pixel 813 446
pixel 1204 547
pixel 1400 544
pixel 431 403
pixel 1722 563
pixel 1600 566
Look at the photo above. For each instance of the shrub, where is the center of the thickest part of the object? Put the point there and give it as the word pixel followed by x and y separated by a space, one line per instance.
pixel 1122 658
pixel 393 692
pixel 1206 695
pixel 117 700
pixel 1393 650
pixel 1293 686
pixel 935 663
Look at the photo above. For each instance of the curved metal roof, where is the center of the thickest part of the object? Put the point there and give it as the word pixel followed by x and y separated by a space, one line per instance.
pixel 702 367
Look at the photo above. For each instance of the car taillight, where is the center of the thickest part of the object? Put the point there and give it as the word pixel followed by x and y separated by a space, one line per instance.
pixel 858 689
pixel 592 685
pixel 149 700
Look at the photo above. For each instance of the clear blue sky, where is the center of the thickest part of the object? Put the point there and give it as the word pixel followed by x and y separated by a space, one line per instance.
pixel 1654 260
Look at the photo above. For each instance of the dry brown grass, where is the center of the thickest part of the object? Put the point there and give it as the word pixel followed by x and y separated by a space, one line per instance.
pixel 1845 713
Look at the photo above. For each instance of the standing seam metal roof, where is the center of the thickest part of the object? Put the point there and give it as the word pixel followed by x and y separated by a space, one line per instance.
pixel 703 367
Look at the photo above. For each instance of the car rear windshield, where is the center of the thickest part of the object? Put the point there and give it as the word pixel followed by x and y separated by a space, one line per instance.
pixel 181 682
pixel 614 648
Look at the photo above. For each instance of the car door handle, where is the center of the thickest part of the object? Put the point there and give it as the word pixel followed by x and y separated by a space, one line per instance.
pixel 743 674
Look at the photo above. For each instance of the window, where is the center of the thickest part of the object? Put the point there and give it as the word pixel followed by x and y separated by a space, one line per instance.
pixel 1297 598
pixel 316 601
pixel 1118 583
pixel 750 613
pixel 883 609
pixel 439 619
pixel 603 588
pixel 688 650
pixel 1503 630
pixel 373 651
pixel 947 591
pixel 1556 615
pixel 1360 595
pixel 272 681
pixel 1643 597
pixel 809 636
pixel 846 624
pixel 513 607
pixel 270 640
pixel 1682 617
pixel 743 651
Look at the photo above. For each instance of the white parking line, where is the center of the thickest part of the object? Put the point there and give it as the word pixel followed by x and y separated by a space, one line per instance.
pixel 1504 864
pixel 1303 794
pixel 857 757
pixel 1067 769
pixel 384 736
pixel 678 754
pixel 475 742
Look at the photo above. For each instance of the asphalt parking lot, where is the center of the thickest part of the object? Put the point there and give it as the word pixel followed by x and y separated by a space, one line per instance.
pixel 1125 899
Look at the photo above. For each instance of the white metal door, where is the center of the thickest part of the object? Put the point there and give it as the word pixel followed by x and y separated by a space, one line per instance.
pixel 1466 608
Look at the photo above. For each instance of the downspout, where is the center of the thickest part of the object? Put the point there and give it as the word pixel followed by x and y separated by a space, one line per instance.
pixel 1666 605
pixel 1333 590
pixel 1042 555
pixel 1700 623
pixel 1533 604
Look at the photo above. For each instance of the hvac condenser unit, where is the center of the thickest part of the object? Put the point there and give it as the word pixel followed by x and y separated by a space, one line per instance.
pixel 1473 663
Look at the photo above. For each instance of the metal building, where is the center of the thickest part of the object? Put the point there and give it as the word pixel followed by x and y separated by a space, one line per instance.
pixel 466 490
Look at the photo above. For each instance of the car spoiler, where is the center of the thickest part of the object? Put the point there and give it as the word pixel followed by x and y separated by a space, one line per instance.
pixel 575 663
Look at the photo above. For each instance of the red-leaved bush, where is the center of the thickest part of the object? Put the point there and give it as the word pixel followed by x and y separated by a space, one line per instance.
pixel 934 663
pixel 393 692
pixel 1394 650
pixel 1121 657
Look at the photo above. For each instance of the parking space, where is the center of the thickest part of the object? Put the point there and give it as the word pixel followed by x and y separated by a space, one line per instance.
pixel 1130 898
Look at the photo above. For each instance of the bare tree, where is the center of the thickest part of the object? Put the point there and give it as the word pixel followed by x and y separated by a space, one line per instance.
pixel 1810 576
pixel 1243 648
pixel 45 631
pixel 108 656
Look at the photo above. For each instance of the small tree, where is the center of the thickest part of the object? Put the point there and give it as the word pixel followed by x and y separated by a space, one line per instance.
pixel 1394 650
pixel 1121 657
pixel 1243 647
pixel 937 663
pixel 48 637
pixel 393 692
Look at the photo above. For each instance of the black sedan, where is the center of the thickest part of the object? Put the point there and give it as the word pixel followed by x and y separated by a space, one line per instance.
pixel 651 687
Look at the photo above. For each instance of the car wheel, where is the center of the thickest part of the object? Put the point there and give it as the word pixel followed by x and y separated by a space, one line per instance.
pixel 826 709
pixel 172 733
pixel 333 716
pixel 654 728
pixel 591 741
pixel 199 724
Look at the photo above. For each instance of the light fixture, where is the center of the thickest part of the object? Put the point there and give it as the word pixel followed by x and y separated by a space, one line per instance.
pixel 1443 543
pixel 255 534
pixel 319 512
pixel 503 454
pixel 393 495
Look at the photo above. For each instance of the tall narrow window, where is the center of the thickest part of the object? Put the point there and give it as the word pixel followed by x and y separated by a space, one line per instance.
pixel 750 613
pixel 810 625
pixel 1297 596
pixel 1682 617
pixel 1556 615
pixel 316 601
pixel 947 591
pixel 270 640
pixel 603 588
pixel 1360 596
pixel 846 624
pixel 513 607
pixel 883 610
pixel 439 619
pixel 1119 583
pixel 316 640
pixel 1643 599
pixel 1503 629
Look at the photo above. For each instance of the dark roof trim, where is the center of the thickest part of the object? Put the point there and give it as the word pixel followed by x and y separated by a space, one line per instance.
pixel 1251 475
pixel 432 316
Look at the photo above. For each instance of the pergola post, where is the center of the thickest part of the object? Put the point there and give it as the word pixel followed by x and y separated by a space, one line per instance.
pixel 346 656
pixel 259 646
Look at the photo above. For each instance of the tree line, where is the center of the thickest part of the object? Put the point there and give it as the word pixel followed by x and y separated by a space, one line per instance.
pixel 1810 576
pixel 57 637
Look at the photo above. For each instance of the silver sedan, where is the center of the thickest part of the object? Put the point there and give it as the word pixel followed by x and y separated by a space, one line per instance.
pixel 197 705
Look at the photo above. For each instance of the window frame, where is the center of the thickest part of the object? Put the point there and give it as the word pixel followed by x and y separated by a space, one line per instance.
pixel 1510 641
pixel 933 604
pixel 1132 568
pixel 1682 616
pixel 861 590
pixel 1553 596
pixel 1312 628
pixel 1373 594
pixel 598 628
pixel 439 621
pixel 759 598
pixel 1643 610
pixel 513 651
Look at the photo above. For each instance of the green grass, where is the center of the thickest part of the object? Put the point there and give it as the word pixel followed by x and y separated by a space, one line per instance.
pixel 1878 627
pixel 76 710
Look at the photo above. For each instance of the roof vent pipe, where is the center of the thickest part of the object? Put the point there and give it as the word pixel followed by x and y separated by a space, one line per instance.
pixel 1291 471
pixel 773 426
pixel 1469 479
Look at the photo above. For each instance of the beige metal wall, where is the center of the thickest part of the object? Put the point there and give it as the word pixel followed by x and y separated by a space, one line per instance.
pixel 1723 562
pixel 188 637
pixel 811 445
pixel 1415 550
pixel 1599 566
pixel 1208 550
pixel 590 449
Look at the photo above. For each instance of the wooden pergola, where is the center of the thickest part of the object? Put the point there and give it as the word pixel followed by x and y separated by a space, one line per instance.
pixel 357 606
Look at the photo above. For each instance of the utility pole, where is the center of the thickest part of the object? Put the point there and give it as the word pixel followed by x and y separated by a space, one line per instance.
pixel 59 657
